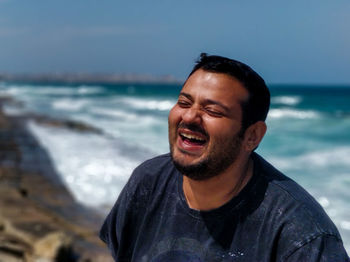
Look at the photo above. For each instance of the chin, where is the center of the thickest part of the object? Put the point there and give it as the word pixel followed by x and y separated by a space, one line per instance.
pixel 186 158
pixel 194 167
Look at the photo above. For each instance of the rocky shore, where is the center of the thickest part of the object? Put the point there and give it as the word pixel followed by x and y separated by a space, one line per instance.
pixel 39 219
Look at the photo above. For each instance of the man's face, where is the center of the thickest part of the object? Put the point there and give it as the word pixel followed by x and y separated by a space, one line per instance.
pixel 205 124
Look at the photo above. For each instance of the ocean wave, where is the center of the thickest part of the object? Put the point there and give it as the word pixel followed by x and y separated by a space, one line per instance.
pixel 15 89
pixel 338 157
pixel 66 90
pixel 161 105
pixel 293 113
pixel 90 90
pixel 126 123
pixel 69 104
pixel 286 100
pixel 114 113
pixel 332 157
pixel 94 167
pixel 345 224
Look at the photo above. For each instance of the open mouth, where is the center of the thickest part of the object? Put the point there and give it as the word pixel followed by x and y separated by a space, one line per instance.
pixel 192 139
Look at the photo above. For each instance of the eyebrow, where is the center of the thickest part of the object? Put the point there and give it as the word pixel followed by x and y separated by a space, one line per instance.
pixel 207 101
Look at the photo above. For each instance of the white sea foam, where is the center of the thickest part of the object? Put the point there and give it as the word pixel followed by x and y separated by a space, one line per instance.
pixel 69 104
pixel 292 113
pixel 162 105
pixel 94 167
pixel 323 201
pixel 47 89
pixel 14 90
pixel 118 113
pixel 126 124
pixel 51 90
pixel 145 130
pixel 286 100
pixel 335 157
pixel 88 90
pixel 332 157
pixel 345 224
pixel 25 90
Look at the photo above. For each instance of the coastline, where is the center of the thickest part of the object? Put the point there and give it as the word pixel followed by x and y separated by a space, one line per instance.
pixel 39 218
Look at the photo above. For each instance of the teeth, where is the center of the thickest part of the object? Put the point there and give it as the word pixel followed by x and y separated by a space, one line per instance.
pixel 192 137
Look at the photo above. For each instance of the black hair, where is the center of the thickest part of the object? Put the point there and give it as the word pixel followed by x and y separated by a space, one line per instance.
pixel 257 106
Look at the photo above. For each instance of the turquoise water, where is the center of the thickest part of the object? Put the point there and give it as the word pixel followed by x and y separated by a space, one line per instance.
pixel 308 137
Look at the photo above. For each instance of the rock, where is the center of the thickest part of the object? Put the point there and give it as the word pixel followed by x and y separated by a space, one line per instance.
pixel 49 246
pixel 39 218
pixel 63 123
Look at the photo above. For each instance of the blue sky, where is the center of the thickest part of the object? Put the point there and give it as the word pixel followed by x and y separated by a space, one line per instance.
pixel 285 41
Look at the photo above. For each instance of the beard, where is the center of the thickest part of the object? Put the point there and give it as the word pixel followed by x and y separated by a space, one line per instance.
pixel 221 155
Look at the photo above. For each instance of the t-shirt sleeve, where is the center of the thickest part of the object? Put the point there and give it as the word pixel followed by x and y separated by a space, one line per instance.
pixel 110 230
pixel 120 228
pixel 324 248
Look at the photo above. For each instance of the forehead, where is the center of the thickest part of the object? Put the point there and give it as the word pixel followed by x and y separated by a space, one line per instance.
pixel 215 86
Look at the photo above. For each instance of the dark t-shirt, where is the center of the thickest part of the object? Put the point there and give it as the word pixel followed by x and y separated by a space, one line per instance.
pixel 272 219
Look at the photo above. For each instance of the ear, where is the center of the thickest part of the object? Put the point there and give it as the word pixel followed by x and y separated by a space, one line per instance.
pixel 253 135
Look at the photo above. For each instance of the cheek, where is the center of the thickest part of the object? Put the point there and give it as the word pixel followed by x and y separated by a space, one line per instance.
pixel 174 116
pixel 221 127
pixel 173 120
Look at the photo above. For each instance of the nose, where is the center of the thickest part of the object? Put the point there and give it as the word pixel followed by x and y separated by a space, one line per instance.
pixel 192 115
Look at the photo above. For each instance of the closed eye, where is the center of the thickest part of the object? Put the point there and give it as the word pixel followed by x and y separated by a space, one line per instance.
pixel 214 112
pixel 183 103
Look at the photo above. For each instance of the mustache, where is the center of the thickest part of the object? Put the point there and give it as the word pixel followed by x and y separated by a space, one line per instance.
pixel 193 128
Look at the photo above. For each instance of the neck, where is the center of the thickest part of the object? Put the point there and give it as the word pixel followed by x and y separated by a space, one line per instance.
pixel 216 191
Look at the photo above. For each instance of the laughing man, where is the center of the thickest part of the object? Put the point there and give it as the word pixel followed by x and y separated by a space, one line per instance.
pixel 213 198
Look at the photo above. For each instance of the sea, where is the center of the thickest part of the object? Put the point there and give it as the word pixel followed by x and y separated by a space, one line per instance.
pixel 308 136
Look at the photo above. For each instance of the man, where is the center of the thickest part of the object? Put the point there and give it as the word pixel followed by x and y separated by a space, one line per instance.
pixel 213 198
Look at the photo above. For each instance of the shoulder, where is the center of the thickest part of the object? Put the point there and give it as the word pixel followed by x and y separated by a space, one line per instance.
pixel 155 164
pixel 151 169
pixel 300 219
pixel 149 176
pixel 136 194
